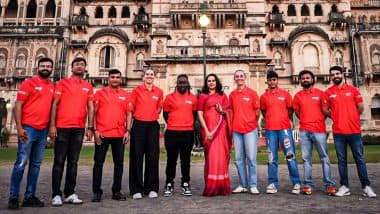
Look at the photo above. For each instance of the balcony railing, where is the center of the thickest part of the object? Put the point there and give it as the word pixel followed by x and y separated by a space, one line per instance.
pixel 211 6
pixel 276 18
pixel 336 17
pixel 80 20
pixel 365 3
pixel 211 51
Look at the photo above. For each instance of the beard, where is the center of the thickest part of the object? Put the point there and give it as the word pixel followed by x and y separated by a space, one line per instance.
pixel 306 84
pixel 44 73
pixel 337 81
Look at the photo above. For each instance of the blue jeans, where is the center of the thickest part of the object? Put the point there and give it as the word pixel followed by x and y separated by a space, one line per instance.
pixel 285 138
pixel 307 140
pixel 355 142
pixel 246 150
pixel 33 151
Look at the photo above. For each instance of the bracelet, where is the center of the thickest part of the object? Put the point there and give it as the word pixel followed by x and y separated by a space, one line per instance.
pixel 129 131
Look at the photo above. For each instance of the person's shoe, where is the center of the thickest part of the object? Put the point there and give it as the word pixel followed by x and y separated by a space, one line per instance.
pixel 271 189
pixel 186 190
pixel 119 196
pixel 153 194
pixel 239 189
pixel 32 202
pixel 13 204
pixel 296 189
pixel 368 192
pixel 254 191
pixel 168 191
pixel 307 190
pixel 73 199
pixel 137 196
pixel 331 190
pixel 343 191
pixel 97 197
pixel 56 201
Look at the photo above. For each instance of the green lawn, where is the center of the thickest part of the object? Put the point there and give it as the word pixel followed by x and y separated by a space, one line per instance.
pixel 371 154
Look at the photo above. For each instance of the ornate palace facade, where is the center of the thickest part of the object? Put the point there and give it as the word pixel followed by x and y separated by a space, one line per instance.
pixel 252 35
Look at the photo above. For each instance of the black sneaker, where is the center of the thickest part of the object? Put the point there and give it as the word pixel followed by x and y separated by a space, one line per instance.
pixel 97 197
pixel 13 204
pixel 168 191
pixel 119 196
pixel 186 190
pixel 32 202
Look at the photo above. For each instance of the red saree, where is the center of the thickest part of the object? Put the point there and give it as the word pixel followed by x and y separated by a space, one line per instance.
pixel 217 151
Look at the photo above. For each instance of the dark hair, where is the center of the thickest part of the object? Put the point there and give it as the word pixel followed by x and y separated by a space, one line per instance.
pixel 219 87
pixel 114 71
pixel 44 59
pixel 303 72
pixel 78 59
pixel 272 74
pixel 187 78
pixel 239 70
pixel 336 68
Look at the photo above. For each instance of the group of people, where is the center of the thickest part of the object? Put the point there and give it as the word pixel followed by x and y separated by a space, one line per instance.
pixel 114 117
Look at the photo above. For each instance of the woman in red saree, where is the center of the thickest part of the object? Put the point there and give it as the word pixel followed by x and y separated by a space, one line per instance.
pixel 213 115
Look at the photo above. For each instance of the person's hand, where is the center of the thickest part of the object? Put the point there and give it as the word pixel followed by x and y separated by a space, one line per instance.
pixel 126 137
pixel 53 132
pixel 209 136
pixel 98 137
pixel 219 108
pixel 89 134
pixel 22 135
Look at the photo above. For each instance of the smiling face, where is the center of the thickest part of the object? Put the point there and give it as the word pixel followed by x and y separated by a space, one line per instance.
pixel 272 83
pixel 337 77
pixel 211 83
pixel 114 80
pixel 45 69
pixel 239 78
pixel 306 81
pixel 149 76
pixel 182 84
pixel 78 68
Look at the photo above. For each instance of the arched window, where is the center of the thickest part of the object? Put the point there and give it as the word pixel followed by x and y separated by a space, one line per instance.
pixel 305 10
pixel 339 58
pixel 11 10
pixel 82 11
pixel 140 61
pixel 318 10
pixel 375 107
pixel 50 9
pixel 107 57
pixel 31 11
pixel 42 52
pixel 234 42
pixel 310 56
pixel 292 10
pixel 334 8
pixel 160 47
pixel 277 59
pixel 3 60
pixel 125 12
pixel 275 9
pixel 184 47
pixel 21 60
pixel 256 46
pixel 112 12
pixel 99 12
pixel 376 57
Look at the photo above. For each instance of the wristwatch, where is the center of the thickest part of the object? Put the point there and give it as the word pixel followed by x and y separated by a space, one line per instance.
pixel 91 128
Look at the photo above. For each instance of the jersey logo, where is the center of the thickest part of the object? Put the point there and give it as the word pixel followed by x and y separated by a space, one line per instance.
pixel 86 89
pixel 189 102
pixel 38 88
pixel 281 98
pixel 315 98
pixel 122 98
pixel 155 97
pixel 332 96
pixel 348 94
pixel 246 99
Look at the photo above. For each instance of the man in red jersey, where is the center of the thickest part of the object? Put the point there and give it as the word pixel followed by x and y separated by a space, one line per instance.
pixel 147 103
pixel 32 111
pixel 73 101
pixel 245 113
pixel 113 119
pixel 344 106
pixel 307 105
pixel 180 110
pixel 276 106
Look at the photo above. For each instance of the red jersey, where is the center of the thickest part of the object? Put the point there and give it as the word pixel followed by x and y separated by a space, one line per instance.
pixel 180 108
pixel 37 94
pixel 343 106
pixel 276 104
pixel 308 103
pixel 111 108
pixel 244 104
pixel 146 103
pixel 73 95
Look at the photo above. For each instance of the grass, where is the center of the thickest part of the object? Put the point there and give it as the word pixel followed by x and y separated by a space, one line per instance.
pixel 371 154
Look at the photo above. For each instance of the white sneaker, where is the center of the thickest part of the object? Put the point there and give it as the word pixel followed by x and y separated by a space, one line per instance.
pixel 153 194
pixel 254 190
pixel 73 199
pixel 56 201
pixel 343 191
pixel 239 189
pixel 137 196
pixel 368 192
pixel 296 189
pixel 271 189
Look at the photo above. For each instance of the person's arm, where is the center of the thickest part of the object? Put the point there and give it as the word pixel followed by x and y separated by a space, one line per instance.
pixel 90 122
pixel 166 116
pixel 257 114
pixel 17 111
pixel 360 107
pixel 203 125
pixel 127 135
pixel 53 116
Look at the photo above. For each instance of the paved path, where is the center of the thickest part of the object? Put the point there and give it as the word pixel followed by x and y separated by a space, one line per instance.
pixel 282 202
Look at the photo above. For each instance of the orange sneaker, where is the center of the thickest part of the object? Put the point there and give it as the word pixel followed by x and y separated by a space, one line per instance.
pixel 331 190
pixel 307 190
